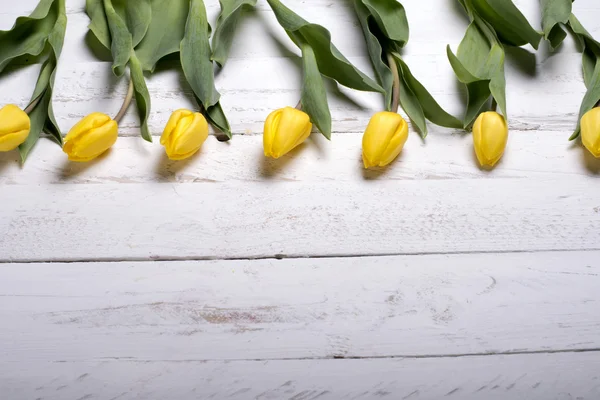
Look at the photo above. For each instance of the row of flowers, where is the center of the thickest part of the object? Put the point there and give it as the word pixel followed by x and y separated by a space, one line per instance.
pixel 140 35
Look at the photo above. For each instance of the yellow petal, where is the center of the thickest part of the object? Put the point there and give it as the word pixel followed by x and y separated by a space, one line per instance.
pixel 190 132
pixel 271 125
pixel 292 127
pixel 91 137
pixel 172 123
pixel 384 139
pixel 14 127
pixel 590 131
pixel 11 141
pixel 86 124
pixel 490 135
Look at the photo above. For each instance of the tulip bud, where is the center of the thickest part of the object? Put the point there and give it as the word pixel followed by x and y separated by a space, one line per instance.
pixel 90 137
pixel 184 134
pixel 490 135
pixel 14 127
pixel 285 129
pixel 590 131
pixel 384 139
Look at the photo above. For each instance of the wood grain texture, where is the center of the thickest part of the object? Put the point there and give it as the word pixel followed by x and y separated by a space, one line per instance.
pixel 409 306
pixel 443 156
pixel 296 219
pixel 512 315
pixel 544 91
pixel 530 377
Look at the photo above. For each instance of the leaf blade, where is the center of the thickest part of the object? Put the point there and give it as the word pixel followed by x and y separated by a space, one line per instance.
pixel 314 95
pixel 121 40
pixel 165 32
pixel 431 109
pixel 375 49
pixel 231 12
pixel 195 56
pixel 330 60
pixel 28 36
pixel 142 96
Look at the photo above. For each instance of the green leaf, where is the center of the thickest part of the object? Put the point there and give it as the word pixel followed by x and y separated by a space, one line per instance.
pixel 98 22
pixel 589 61
pixel 556 36
pixel 42 115
pixel 314 95
pixel 431 109
pixel 478 96
pixel 195 56
pixel 473 51
pixel 382 70
pixel 56 40
pixel 329 59
pixel 591 70
pixel 139 33
pixel 142 97
pixel 591 98
pixel 121 39
pixel 29 35
pixel 554 13
pixel 479 64
pixel 585 38
pixel 231 11
pixel 37 119
pixel 165 32
pixel 509 23
pixel 39 114
pixel 410 104
pixel 391 20
pixel 217 118
pixel 460 70
pixel 136 14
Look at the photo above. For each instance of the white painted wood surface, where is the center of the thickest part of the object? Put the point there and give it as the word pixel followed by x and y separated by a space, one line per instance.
pixel 402 306
pixel 520 377
pixel 429 279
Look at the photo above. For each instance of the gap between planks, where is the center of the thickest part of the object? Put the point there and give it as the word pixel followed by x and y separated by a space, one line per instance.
pixel 153 259
pixel 387 357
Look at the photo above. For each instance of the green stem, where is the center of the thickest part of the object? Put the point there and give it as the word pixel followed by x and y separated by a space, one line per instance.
pixel 34 103
pixel 299 105
pixel 126 102
pixel 396 86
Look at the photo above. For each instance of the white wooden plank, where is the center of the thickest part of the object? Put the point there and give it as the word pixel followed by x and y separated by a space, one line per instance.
pixel 524 377
pixel 530 155
pixel 265 219
pixel 251 90
pixel 543 94
pixel 305 308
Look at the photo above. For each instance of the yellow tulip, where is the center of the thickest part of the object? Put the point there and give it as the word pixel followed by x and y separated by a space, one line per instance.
pixel 590 131
pixel 285 129
pixel 14 127
pixel 184 134
pixel 91 137
pixel 384 139
pixel 490 135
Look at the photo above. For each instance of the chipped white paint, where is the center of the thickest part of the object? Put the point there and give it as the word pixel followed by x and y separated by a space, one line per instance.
pixel 296 219
pixel 364 307
pixel 443 156
pixel 520 377
pixel 528 233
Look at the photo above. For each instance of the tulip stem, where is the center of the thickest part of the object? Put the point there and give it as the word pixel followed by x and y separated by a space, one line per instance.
pixel 299 105
pixel 126 102
pixel 396 86
pixel 34 103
